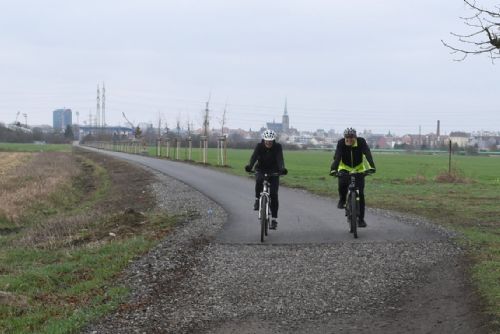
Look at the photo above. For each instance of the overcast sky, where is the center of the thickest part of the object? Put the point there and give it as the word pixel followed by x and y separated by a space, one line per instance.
pixel 376 65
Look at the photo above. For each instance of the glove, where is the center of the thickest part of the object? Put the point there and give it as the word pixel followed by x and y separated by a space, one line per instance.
pixel 248 168
pixel 283 171
pixel 371 171
pixel 334 173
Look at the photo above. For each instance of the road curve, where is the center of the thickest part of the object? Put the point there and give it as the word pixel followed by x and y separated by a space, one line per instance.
pixel 303 217
pixel 310 276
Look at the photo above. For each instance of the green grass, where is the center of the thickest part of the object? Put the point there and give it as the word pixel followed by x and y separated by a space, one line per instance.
pixel 67 286
pixel 15 147
pixel 64 288
pixel 485 245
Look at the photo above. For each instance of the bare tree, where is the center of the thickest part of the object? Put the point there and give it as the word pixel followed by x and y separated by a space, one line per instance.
pixel 223 120
pixel 178 125
pixel 483 38
pixel 206 120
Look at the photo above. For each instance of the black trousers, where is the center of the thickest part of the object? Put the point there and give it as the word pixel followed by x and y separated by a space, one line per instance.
pixel 273 191
pixel 344 186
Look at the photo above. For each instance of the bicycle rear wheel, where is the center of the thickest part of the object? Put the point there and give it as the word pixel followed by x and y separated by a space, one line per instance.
pixel 263 217
pixel 353 208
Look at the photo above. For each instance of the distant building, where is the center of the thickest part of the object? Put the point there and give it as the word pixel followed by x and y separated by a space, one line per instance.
pixel 284 126
pixel 276 127
pixel 460 138
pixel 61 118
pixel 485 141
pixel 285 120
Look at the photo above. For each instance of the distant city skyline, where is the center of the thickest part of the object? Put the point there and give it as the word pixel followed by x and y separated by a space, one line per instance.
pixel 427 126
pixel 371 65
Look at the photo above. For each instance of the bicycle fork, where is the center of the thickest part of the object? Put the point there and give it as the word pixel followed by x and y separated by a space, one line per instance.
pixel 262 196
pixel 348 197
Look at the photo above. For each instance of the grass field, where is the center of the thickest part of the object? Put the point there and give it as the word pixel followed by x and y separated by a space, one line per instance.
pixel 13 147
pixel 66 234
pixel 466 200
pixel 41 264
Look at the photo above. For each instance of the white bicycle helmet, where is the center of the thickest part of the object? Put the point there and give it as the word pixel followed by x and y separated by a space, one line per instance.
pixel 269 135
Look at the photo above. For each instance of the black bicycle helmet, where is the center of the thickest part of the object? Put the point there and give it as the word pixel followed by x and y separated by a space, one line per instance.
pixel 350 132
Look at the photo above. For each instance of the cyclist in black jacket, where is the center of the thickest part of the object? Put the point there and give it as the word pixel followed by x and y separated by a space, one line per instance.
pixel 268 154
pixel 349 157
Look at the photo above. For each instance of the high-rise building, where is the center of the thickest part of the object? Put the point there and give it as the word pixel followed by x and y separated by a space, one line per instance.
pixel 61 118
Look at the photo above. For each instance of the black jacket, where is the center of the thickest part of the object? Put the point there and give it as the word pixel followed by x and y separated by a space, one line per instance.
pixel 268 160
pixel 351 157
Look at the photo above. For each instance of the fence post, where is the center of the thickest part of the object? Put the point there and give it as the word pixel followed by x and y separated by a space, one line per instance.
pixel 449 158
pixel 168 148
pixel 221 150
pixel 204 148
pixel 177 147
pixel 190 148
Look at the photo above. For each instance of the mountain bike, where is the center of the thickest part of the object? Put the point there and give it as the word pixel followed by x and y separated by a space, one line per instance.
pixel 352 200
pixel 265 204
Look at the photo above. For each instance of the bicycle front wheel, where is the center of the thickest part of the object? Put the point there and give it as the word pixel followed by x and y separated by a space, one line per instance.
pixel 268 220
pixel 263 217
pixel 353 219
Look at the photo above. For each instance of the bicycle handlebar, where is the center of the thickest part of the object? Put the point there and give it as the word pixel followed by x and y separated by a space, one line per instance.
pixel 345 172
pixel 268 174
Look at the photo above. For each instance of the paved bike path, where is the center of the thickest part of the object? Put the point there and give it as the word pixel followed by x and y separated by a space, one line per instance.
pixel 303 217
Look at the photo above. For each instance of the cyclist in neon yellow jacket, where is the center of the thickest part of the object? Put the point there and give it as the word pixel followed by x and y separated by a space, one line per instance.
pixel 349 156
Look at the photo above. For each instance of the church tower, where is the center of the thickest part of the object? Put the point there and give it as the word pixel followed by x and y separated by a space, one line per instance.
pixel 286 120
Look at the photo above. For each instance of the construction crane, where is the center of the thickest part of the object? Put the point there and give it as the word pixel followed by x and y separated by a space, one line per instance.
pixel 17 126
pixel 136 131
pixel 129 122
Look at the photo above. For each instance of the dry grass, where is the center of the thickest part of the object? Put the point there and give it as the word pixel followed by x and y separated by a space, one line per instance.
pixel 88 217
pixel 30 177
pixel 417 179
pixel 113 216
pixel 75 230
pixel 453 176
pixel 59 231
pixel 10 160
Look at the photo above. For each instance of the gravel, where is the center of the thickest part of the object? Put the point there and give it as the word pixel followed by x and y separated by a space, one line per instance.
pixel 190 283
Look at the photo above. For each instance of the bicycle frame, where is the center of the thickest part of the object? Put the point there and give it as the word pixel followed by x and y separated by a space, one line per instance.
pixel 352 186
pixel 265 193
pixel 352 202
pixel 265 204
pixel 352 205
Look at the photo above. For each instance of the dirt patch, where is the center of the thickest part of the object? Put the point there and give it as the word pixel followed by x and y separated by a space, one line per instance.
pixel 445 302
pixel 453 176
pixel 10 299
pixel 129 186
pixel 118 212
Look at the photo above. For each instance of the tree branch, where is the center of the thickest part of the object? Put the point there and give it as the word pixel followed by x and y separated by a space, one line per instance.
pixel 481 10
pixel 483 39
